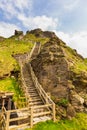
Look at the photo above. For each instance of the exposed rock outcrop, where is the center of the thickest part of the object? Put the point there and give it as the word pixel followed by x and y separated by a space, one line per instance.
pixel 52 67
pixel 18 32
pixel 39 33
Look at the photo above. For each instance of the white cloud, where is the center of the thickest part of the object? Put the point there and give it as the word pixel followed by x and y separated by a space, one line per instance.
pixel 21 4
pixel 64 36
pixel 14 7
pixel 70 5
pixel 77 41
pixel 42 22
pixel 7 29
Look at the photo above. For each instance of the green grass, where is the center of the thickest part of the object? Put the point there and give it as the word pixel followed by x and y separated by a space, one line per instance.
pixel 77 64
pixel 77 123
pixel 9 47
pixel 11 85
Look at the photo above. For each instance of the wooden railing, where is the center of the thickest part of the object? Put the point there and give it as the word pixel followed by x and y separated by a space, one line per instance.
pixel 30 55
pixel 9 117
pixel 24 87
pixel 27 59
pixel 24 117
pixel 4 119
pixel 46 99
pixel 35 51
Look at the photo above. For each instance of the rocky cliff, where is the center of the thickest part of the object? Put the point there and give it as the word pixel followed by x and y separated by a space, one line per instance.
pixel 62 73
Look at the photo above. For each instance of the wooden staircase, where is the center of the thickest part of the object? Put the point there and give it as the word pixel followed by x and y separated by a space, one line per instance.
pixel 35 95
pixel 34 98
pixel 40 107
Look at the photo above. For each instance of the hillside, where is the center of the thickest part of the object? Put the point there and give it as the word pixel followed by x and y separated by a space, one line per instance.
pixel 61 70
pixel 9 67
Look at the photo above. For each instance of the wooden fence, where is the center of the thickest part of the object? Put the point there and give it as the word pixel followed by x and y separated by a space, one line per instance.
pixel 24 117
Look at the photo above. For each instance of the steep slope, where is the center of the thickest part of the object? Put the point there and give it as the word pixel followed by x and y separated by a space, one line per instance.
pixel 9 69
pixel 61 70
pixel 16 44
pixel 62 73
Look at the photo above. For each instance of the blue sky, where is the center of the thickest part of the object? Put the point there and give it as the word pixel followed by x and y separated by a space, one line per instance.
pixel 67 18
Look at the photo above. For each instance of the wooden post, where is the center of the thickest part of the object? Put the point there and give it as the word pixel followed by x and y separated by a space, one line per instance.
pixel 54 114
pixel 2 120
pixel 3 102
pixel 7 120
pixel 31 119
pixel 9 104
pixel 46 100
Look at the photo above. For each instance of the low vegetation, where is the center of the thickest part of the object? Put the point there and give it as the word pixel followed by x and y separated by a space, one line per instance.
pixel 8 48
pixel 77 123
pixel 77 63
pixel 11 85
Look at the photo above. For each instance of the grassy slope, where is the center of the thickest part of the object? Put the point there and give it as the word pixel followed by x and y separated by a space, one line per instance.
pixel 11 46
pixel 77 123
pixel 8 47
pixel 10 85
pixel 77 63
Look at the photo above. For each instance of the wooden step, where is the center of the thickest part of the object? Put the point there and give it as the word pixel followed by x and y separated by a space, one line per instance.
pixel 36 99
pixel 33 95
pixel 32 90
pixel 41 119
pixel 32 87
pixel 35 103
pixel 39 110
pixel 18 126
pixel 42 113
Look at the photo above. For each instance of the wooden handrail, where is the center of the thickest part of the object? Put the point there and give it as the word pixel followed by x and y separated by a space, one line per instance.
pixel 35 49
pixel 18 110
pixel 30 55
pixel 4 118
pixel 39 87
pixel 42 92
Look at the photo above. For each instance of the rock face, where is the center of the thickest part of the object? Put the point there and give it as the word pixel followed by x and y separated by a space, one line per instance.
pixel 39 33
pixel 19 35
pixel 18 32
pixel 53 71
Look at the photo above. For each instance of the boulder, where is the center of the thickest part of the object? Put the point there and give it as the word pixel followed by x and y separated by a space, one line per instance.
pixel 18 32
pixel 70 111
pixel 77 101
